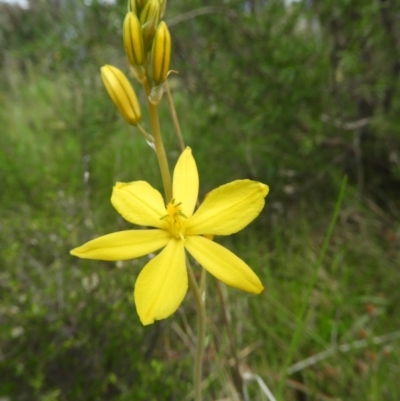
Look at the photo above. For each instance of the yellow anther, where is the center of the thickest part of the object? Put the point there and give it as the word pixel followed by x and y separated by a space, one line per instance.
pixel 175 218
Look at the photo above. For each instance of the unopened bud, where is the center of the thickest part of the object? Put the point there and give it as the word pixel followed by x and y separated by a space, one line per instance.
pixel 132 6
pixel 121 93
pixel 141 3
pixel 149 18
pixel 133 41
pixel 151 10
pixel 161 54
pixel 163 4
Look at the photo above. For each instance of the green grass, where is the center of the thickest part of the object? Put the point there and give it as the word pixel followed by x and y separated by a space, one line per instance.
pixel 69 329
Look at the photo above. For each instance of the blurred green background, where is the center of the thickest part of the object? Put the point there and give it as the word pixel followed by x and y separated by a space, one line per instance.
pixel 294 95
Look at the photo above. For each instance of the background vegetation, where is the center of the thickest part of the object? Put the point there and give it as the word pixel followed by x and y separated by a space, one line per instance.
pixel 295 96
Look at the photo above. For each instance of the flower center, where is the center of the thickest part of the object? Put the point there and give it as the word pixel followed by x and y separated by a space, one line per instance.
pixel 175 218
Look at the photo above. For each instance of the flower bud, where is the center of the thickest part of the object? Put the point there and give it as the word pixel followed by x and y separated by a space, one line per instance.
pixel 141 3
pixel 161 54
pixel 132 6
pixel 121 93
pixel 149 18
pixel 163 4
pixel 133 41
pixel 150 11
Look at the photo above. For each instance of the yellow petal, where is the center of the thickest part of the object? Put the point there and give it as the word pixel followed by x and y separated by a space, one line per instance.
pixel 123 245
pixel 162 284
pixel 139 203
pixel 228 208
pixel 223 264
pixel 186 182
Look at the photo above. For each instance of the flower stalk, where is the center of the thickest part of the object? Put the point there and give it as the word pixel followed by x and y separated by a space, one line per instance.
pixel 200 299
pixel 160 150
pixel 159 144
pixel 174 117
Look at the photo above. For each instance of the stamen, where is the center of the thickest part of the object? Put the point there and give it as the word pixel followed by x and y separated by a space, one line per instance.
pixel 174 216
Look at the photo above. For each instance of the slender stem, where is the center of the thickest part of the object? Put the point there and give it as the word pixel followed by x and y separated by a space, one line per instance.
pixel 203 282
pixel 225 316
pixel 200 299
pixel 302 315
pixel 237 379
pixel 174 117
pixel 146 135
pixel 159 145
pixel 160 151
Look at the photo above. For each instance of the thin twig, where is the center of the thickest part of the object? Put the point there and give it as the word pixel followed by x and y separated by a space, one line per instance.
pixel 312 360
pixel 201 332
pixel 348 126
pixel 263 386
pixel 183 336
pixel 174 117
pixel 237 379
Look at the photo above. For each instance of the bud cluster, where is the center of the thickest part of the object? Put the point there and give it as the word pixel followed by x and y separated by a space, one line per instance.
pixel 147 44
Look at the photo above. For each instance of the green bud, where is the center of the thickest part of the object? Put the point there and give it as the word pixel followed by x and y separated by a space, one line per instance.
pixel 121 93
pixel 148 32
pixel 132 7
pixel 163 4
pixel 141 3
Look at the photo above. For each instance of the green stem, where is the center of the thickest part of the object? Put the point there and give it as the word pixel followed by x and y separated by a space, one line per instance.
pixel 237 379
pixel 159 145
pixel 146 136
pixel 301 316
pixel 199 295
pixel 160 151
pixel 174 117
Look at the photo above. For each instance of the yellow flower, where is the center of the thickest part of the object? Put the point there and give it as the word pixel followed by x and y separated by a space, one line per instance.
pixel 163 282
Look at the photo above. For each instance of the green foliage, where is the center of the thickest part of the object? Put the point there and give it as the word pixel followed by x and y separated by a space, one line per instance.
pixel 264 92
pixel 286 83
